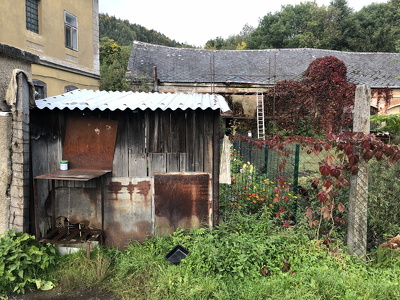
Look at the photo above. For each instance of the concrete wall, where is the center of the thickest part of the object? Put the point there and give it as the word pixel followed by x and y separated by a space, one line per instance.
pixel 7 64
pixel 5 171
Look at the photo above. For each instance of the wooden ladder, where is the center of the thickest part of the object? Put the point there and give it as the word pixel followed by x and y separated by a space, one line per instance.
pixel 260 116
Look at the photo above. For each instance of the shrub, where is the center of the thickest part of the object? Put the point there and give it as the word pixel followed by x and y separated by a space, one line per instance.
pixel 24 263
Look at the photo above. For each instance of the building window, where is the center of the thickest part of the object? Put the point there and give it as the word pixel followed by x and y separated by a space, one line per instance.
pixel 40 89
pixel 32 15
pixel 71 31
pixel 69 88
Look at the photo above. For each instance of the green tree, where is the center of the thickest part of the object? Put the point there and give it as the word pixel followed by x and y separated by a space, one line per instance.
pixel 376 27
pixel 293 27
pixel 113 65
pixel 124 33
pixel 233 42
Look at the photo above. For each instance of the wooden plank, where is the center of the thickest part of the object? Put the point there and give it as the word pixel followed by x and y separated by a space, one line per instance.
pixel 154 132
pixel 137 165
pixel 157 163
pixel 199 141
pixel 120 165
pixel 208 140
pixel 178 131
pixel 190 140
pixel 166 132
pixel 173 162
pixel 182 162
pixel 136 134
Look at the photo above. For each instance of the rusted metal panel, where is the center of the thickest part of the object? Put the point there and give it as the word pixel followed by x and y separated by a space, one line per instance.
pixel 128 210
pixel 181 200
pixel 90 142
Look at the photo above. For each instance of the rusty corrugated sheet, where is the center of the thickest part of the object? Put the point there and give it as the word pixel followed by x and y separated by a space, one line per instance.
pixel 181 200
pixel 103 100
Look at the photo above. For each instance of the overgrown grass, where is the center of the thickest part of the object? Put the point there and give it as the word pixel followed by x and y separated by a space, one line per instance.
pixel 247 258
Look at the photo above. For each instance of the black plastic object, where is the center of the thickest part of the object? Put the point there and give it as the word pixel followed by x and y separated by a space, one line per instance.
pixel 177 254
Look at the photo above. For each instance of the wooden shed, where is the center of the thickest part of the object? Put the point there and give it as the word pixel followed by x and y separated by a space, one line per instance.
pixel 139 164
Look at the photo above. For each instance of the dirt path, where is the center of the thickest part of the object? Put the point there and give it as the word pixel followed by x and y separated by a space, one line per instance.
pixel 57 294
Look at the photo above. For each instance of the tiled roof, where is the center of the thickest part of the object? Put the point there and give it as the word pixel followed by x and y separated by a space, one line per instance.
pixel 184 65
pixel 103 100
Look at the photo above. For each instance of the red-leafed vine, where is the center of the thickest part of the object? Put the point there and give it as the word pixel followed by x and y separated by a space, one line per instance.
pixel 383 97
pixel 349 147
pixel 323 98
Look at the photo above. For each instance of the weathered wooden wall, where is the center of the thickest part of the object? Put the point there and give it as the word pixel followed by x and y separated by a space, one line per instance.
pixel 148 142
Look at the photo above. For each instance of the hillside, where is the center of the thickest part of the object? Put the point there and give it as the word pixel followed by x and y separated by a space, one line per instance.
pixel 123 33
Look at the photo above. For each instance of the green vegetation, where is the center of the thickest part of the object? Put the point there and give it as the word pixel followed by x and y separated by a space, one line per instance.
pixel 113 64
pixel 247 258
pixel 265 247
pixel 24 263
pixel 124 33
pixel 375 28
pixel 389 123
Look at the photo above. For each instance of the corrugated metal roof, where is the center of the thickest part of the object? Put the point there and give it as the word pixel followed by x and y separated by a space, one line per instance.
pixel 103 100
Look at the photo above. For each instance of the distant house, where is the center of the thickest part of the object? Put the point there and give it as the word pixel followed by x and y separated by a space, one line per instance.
pixel 63 35
pixel 240 74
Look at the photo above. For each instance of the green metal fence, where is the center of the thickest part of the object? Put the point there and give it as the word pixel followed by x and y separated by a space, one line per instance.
pixel 254 187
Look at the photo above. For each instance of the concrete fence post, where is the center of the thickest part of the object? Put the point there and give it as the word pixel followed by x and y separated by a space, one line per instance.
pixel 358 199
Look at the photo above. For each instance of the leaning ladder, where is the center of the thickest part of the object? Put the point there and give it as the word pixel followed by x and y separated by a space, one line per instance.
pixel 260 116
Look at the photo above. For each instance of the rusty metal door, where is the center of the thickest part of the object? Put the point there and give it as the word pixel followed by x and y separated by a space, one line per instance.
pixel 181 200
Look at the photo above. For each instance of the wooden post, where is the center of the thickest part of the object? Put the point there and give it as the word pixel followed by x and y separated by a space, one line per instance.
pixel 358 199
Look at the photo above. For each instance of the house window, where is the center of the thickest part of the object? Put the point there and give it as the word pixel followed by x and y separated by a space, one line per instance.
pixel 40 89
pixel 71 31
pixel 69 88
pixel 32 15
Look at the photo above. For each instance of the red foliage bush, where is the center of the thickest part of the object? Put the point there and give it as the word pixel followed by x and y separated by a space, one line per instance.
pixel 323 98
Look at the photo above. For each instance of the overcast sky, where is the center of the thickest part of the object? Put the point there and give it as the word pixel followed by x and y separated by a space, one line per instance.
pixel 196 22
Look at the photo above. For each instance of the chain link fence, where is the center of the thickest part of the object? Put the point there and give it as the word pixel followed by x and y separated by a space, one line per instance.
pixel 363 213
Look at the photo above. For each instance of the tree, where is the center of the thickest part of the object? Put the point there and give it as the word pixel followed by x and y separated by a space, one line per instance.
pixel 233 42
pixel 113 65
pixel 375 27
pixel 293 27
pixel 321 99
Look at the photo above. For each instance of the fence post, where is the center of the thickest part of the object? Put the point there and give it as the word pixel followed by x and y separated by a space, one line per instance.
pixel 358 199
pixel 296 178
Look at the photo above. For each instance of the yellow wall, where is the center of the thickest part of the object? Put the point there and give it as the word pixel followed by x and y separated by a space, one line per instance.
pixel 56 80
pixel 49 44
pixel 393 106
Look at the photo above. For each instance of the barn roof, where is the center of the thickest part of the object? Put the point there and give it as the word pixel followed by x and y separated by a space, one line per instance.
pixel 103 100
pixel 185 65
